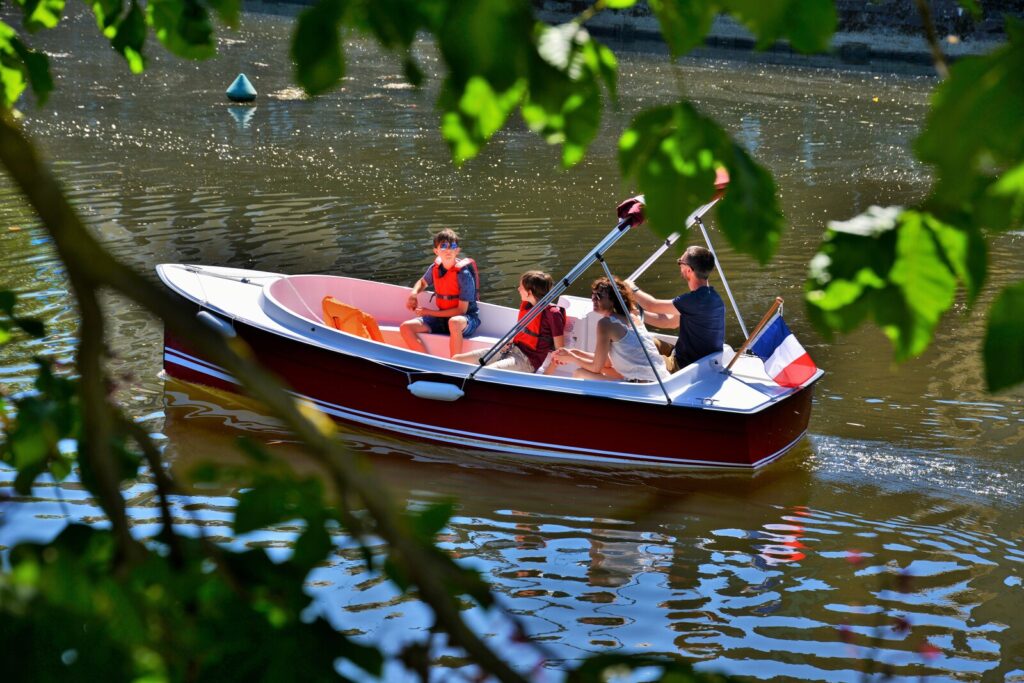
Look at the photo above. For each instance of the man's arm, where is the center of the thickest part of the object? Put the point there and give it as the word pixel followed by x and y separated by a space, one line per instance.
pixel 663 307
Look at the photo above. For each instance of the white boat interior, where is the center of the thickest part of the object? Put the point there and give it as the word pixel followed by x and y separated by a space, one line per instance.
pixel 291 306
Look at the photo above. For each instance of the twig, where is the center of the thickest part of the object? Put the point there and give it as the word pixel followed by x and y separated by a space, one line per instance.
pixel 162 481
pixel 932 37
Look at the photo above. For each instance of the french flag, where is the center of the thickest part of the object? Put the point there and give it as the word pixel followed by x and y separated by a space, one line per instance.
pixel 785 360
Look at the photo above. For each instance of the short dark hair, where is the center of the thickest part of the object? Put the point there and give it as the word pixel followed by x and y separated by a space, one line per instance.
pixel 700 260
pixel 537 283
pixel 446 235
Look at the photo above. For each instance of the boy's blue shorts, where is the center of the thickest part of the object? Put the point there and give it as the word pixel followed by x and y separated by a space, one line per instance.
pixel 440 325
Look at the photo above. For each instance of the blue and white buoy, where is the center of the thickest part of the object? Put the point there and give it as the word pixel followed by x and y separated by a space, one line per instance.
pixel 241 90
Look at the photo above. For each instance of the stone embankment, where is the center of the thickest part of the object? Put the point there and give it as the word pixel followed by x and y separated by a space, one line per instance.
pixel 869 30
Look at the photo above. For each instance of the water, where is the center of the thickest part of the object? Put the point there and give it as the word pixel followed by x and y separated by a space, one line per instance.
pixel 891 534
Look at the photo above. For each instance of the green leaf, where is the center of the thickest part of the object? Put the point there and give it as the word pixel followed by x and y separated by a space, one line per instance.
pixel 684 23
pixel 127 34
pixel 316 47
pixel 40 14
pixel 7 301
pixel 900 267
pixel 183 27
pixel 107 13
pixel 227 10
pixel 972 7
pixel 37 68
pixel 975 130
pixel 490 41
pixel 471 116
pixel 32 327
pixel 807 24
pixel 618 4
pixel 5 335
pixel 927 285
pixel 264 505
pixel 674 151
pixel 428 522
pixel 12 71
pixel 313 545
pixel 1004 340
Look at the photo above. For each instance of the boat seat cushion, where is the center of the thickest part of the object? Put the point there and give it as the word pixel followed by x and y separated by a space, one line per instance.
pixel 346 318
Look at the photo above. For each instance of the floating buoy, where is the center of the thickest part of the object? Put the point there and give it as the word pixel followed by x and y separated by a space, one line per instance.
pixel 241 90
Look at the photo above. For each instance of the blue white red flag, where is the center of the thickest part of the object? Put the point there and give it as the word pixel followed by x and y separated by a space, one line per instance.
pixel 785 360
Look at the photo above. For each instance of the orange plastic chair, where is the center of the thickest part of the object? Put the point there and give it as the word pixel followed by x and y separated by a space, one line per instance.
pixel 350 319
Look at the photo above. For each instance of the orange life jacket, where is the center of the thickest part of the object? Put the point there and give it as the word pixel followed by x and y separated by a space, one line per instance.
pixel 350 319
pixel 446 287
pixel 531 336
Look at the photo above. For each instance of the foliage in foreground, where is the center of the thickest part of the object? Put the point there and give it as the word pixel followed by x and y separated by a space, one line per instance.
pixel 179 608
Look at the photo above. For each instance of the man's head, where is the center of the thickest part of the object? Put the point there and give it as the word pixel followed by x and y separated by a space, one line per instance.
pixel 446 246
pixel 697 261
pixel 536 283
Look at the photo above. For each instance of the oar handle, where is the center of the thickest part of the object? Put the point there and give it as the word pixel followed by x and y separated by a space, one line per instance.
pixel 757 330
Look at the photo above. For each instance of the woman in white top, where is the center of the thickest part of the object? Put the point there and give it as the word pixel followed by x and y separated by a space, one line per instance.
pixel 619 353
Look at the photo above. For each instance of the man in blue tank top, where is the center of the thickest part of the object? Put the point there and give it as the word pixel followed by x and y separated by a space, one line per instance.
pixel 699 313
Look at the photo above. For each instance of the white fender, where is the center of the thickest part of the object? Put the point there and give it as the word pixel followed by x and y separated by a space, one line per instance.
pixel 436 391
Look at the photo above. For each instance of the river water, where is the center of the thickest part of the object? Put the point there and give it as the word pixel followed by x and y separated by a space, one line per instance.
pixel 892 534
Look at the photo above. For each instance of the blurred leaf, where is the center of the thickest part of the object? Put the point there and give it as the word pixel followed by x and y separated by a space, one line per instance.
pixel 254 451
pixel 37 425
pixel 900 267
pixel 12 69
pixel 40 14
pixel 471 116
pixel 227 10
pixel 264 505
pixel 489 41
pixel 37 68
pixel 684 23
pixel 673 152
pixel 975 129
pixel 564 101
pixel 807 24
pixel 316 48
pixel 5 335
pixel 127 34
pixel 7 301
pixel 183 27
pixel 972 7
pixel 427 523
pixel 32 327
pixel 1004 340
pixel 313 545
pixel 107 12
pixel 618 4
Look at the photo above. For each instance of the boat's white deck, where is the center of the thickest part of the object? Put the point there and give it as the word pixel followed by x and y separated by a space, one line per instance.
pixel 291 306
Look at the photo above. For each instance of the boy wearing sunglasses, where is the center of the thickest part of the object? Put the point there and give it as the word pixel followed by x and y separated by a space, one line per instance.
pixel 456 284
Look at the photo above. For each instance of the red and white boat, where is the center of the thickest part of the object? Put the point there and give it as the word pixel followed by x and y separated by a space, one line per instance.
pixel 702 416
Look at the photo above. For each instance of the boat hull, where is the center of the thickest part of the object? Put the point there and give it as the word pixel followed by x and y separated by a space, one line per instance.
pixel 519 420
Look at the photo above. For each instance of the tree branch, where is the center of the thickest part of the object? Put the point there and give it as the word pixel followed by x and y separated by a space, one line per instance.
pixel 76 245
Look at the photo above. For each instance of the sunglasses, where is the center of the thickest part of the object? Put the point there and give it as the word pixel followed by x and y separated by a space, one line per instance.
pixel 448 245
pixel 597 296
pixel 682 262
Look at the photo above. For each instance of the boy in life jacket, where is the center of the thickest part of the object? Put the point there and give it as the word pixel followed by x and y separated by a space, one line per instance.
pixel 545 333
pixel 456 283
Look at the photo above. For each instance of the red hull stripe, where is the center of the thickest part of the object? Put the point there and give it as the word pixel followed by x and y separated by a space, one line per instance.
pixel 196 369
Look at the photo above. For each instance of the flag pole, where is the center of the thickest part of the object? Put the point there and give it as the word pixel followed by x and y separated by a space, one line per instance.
pixel 757 330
